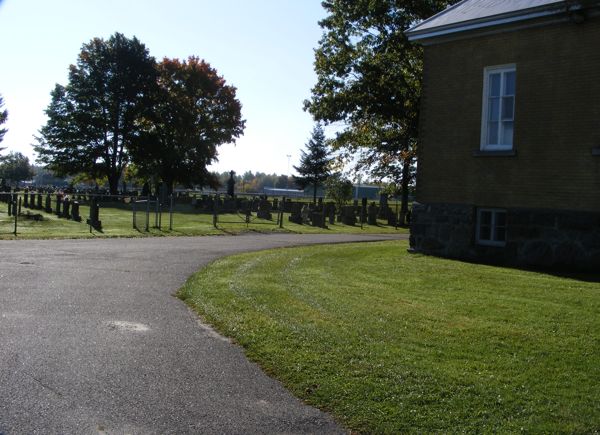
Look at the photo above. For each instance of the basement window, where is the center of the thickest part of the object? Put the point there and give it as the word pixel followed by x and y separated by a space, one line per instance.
pixel 491 227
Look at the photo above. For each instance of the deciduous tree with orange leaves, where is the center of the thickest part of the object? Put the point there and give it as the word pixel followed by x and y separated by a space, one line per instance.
pixel 193 112
pixel 121 107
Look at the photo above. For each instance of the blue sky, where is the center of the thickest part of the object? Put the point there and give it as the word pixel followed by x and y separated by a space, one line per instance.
pixel 263 47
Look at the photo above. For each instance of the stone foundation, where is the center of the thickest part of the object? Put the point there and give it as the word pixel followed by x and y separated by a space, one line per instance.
pixel 566 240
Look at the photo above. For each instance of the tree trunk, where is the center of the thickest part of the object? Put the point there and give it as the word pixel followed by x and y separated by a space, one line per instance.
pixel 113 183
pixel 315 194
pixel 169 183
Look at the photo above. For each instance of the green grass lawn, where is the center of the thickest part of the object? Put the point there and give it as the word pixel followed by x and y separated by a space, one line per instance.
pixel 117 221
pixel 390 342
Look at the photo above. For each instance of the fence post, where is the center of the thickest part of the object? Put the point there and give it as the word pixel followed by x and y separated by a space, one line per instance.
pixel 160 207
pixel 17 199
pixel 363 206
pixel 148 213
pixel 215 211
pixel 156 211
pixel 134 212
pixel 171 214
pixel 281 210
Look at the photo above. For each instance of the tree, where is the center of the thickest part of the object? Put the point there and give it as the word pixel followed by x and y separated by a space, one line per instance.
pixel 369 80
pixel 3 118
pixel 282 182
pixel 15 167
pixel 44 177
pixel 315 164
pixel 339 189
pixel 193 112
pixel 93 119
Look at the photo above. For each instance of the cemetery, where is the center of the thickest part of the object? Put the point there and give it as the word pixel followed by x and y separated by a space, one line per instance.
pixel 47 213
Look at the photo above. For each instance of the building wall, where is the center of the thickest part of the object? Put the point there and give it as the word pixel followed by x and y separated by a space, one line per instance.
pixel 535 237
pixel 550 187
pixel 557 121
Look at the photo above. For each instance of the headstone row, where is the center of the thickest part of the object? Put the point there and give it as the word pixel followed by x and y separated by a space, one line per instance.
pixel 66 208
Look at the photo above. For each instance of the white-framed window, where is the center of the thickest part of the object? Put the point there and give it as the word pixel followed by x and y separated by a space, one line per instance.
pixel 498 117
pixel 491 226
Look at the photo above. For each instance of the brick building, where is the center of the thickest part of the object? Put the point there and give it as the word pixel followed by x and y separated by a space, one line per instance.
pixel 509 157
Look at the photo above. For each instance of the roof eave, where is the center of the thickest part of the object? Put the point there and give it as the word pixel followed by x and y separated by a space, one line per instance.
pixel 496 20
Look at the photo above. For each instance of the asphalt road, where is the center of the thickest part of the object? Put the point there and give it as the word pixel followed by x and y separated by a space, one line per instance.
pixel 92 341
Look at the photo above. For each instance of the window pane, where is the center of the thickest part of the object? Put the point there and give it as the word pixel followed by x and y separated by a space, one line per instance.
pixel 500 219
pixel 500 234
pixel 485 232
pixel 508 108
pixel 492 138
pixel 494 109
pixel 509 85
pixel 507 133
pixel 485 218
pixel 495 84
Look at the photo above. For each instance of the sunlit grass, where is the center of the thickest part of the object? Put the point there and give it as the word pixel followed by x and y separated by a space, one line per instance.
pixel 391 342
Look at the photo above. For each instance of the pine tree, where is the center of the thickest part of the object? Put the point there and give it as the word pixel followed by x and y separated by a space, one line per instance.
pixel 315 162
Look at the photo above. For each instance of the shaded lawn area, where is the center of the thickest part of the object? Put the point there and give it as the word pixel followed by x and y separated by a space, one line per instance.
pixel 117 221
pixel 394 342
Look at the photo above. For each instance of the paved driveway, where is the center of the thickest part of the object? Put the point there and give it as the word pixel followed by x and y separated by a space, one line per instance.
pixel 92 341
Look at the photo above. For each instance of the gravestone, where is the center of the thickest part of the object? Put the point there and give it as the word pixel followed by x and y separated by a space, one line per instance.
pixel 383 206
pixel 58 203
pixel 264 210
pixel 48 208
pixel 75 211
pixel 305 213
pixel 372 214
pixel 66 211
pixel 348 215
pixel 39 202
pixel 391 219
pixel 330 212
pixel 229 205
pixel 296 212
pixel 26 199
pixel 317 219
pixel 94 219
